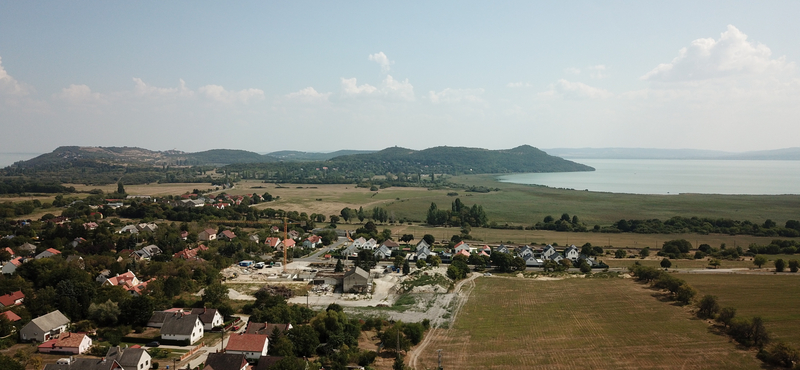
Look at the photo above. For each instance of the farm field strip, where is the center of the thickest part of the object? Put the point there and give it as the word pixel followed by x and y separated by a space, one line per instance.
pixel 775 298
pixel 578 323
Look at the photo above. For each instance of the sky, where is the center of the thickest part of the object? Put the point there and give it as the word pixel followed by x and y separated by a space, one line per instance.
pixel 322 76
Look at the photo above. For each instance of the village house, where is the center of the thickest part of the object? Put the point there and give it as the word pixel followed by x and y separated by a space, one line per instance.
pixel 45 327
pixel 312 241
pixel 254 238
pixel 462 246
pixel 391 245
pixel 252 346
pixel 190 253
pixel 11 266
pixel 359 242
pixel 130 358
pixel 383 252
pixel 27 249
pixel 226 235
pixel 131 229
pixel 182 327
pixel 266 328
pixel 207 235
pixel 572 253
pixel 210 317
pixel 146 253
pixel 49 252
pixel 11 316
pixel 226 361
pixel 72 343
pixel 356 280
pixel 273 242
pixel 12 299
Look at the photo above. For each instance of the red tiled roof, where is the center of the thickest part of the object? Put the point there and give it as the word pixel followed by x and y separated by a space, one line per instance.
pixel 11 298
pixel 247 342
pixel 11 316
pixel 66 340
pixel 288 243
pixel 272 242
pixel 53 251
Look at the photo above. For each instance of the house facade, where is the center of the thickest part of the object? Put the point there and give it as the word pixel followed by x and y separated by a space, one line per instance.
pixel 182 327
pixel 252 346
pixel 45 327
pixel 72 343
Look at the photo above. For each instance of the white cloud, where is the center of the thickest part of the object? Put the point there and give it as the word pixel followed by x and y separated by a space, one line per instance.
pixel 220 94
pixel 575 90
pixel 350 87
pixel 9 85
pixel 572 71
pixel 449 95
pixel 142 89
pixel 77 94
pixel 308 94
pixel 401 89
pixel 389 88
pixel 598 71
pixel 383 60
pixel 730 55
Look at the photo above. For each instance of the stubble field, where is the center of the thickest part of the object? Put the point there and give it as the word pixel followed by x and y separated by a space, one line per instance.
pixel 776 298
pixel 578 324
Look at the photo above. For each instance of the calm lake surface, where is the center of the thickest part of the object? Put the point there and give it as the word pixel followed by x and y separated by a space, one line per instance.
pixel 673 176
pixel 7 159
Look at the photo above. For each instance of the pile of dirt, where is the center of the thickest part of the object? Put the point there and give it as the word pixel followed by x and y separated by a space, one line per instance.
pixel 278 290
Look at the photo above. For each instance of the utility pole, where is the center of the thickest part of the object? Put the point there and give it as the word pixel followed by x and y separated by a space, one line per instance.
pixel 440 359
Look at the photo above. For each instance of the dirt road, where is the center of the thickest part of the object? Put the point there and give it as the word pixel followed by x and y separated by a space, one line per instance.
pixel 463 289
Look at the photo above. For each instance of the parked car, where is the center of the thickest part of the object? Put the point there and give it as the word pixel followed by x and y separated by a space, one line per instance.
pixel 152 344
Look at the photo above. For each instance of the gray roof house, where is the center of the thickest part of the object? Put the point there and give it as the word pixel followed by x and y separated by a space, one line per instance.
pixel 45 327
pixel 383 252
pixel 423 244
pixel 181 327
pixel 210 317
pixel 572 253
pixel 130 358
pixel 147 252
pixel 502 249
pixel 356 280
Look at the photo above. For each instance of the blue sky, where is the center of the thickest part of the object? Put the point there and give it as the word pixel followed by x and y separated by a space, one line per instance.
pixel 323 76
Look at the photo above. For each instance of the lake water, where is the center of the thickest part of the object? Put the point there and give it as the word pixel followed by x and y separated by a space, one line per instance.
pixel 669 176
pixel 7 159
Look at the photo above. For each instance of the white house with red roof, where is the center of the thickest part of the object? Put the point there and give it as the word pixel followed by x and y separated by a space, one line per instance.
pixel 273 242
pixel 461 246
pixel 12 299
pixel 312 241
pixel 127 281
pixel 252 346
pixel 288 243
pixel 74 343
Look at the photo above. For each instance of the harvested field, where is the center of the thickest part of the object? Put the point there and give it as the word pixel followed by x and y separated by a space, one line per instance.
pixel 775 298
pixel 578 324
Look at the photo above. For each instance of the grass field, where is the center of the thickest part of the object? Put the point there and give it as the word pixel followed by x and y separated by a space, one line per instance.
pixel 775 298
pixel 578 324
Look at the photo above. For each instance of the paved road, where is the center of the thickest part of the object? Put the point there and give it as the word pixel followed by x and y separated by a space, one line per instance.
pixel 200 356
pixel 316 256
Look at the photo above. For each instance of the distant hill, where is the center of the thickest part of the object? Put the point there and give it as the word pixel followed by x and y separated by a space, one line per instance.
pixel 291 155
pixel 409 166
pixel 103 165
pixel 645 153
pixel 447 159
pixel 71 156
